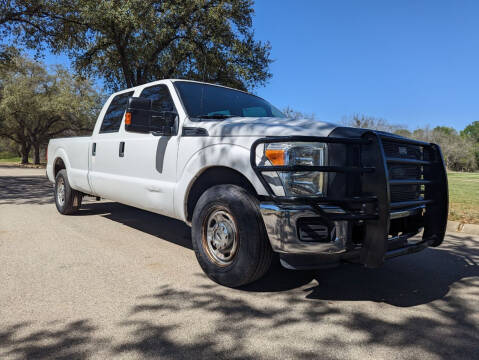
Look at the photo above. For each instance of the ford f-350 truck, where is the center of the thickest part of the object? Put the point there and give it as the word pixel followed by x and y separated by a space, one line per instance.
pixel 253 183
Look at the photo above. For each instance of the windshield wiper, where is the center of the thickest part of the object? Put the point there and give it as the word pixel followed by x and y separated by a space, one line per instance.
pixel 214 116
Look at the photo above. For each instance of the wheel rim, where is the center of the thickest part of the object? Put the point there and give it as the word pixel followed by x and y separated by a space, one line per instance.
pixel 61 191
pixel 220 238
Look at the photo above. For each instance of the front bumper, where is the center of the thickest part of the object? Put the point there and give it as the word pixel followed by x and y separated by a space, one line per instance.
pixel 281 222
pixel 284 228
pixel 363 223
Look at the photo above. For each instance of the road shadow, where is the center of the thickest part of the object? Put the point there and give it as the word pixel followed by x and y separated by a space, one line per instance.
pixel 276 309
pixel 72 340
pixel 406 281
pixel 403 282
pixel 443 327
pixel 207 321
pixel 287 314
pixel 18 190
pixel 162 227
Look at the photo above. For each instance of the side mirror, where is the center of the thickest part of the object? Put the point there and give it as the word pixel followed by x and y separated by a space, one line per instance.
pixel 142 117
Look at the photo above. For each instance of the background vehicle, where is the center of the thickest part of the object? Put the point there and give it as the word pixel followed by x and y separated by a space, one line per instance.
pixel 252 182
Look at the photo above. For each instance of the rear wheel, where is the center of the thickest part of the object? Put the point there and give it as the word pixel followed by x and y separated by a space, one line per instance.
pixel 229 237
pixel 67 200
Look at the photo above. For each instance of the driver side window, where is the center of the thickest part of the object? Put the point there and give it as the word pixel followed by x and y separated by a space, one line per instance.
pixel 160 96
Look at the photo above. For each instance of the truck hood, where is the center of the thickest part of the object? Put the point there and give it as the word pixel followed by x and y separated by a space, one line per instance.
pixel 247 126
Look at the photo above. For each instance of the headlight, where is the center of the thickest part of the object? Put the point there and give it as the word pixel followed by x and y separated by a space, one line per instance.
pixel 299 183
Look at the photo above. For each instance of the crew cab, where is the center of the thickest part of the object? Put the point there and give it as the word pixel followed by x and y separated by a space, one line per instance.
pixel 253 184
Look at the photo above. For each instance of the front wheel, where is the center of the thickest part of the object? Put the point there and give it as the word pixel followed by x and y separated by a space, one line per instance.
pixel 229 237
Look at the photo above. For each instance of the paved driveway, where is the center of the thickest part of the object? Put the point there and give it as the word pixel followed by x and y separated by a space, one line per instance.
pixel 119 282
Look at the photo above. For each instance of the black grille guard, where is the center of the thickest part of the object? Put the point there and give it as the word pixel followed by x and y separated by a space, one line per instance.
pixel 374 203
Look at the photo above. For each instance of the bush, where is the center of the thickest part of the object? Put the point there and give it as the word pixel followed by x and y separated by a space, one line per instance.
pixel 460 151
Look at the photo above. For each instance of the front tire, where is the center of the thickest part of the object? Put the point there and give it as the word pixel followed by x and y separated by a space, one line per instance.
pixel 67 200
pixel 229 236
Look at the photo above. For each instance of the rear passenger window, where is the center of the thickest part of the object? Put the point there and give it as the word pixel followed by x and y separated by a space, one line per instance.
pixel 161 97
pixel 114 114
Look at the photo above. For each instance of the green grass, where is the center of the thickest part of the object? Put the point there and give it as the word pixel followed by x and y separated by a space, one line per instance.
pixel 17 160
pixel 14 159
pixel 464 197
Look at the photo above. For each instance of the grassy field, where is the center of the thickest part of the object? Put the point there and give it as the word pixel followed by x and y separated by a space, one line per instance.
pixel 463 194
pixel 16 160
pixel 464 197
pixel 11 160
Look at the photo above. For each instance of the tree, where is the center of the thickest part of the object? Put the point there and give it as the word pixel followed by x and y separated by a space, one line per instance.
pixel 8 148
pixel 445 130
pixel 294 114
pixel 8 54
pixel 36 105
pixel 458 151
pixel 19 11
pixel 403 132
pixel 369 122
pixel 472 130
pixel 131 42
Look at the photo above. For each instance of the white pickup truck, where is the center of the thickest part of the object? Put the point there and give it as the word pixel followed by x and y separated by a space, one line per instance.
pixel 253 183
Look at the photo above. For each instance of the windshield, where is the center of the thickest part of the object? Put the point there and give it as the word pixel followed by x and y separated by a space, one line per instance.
pixel 216 102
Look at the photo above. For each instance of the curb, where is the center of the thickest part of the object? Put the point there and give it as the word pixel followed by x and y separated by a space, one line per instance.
pixel 456 226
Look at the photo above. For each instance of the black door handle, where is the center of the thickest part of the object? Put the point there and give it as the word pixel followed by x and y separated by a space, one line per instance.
pixel 93 149
pixel 121 153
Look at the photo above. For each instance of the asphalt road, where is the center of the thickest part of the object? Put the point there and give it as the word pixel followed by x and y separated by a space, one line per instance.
pixel 117 282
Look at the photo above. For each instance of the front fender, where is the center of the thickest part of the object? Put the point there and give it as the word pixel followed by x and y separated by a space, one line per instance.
pixel 231 156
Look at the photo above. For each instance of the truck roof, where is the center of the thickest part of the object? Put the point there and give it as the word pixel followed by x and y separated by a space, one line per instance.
pixel 185 80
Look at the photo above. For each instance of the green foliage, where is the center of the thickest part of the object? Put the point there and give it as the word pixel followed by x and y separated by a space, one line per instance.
pixel 461 151
pixel 472 131
pixel 36 104
pixel 445 130
pixel 403 132
pixel 12 11
pixel 8 54
pixel 458 151
pixel 133 42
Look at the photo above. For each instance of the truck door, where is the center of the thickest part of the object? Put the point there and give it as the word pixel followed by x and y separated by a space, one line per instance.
pixel 105 164
pixel 149 162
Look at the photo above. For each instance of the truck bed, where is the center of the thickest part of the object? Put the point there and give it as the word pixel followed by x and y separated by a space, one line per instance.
pixel 75 152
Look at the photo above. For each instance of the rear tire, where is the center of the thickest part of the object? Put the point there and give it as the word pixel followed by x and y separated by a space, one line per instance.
pixel 229 237
pixel 67 200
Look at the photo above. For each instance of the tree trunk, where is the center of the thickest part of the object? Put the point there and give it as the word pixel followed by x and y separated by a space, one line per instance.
pixel 25 152
pixel 37 153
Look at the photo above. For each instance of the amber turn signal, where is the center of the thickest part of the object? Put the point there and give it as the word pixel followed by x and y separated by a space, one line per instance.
pixel 275 156
pixel 128 118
